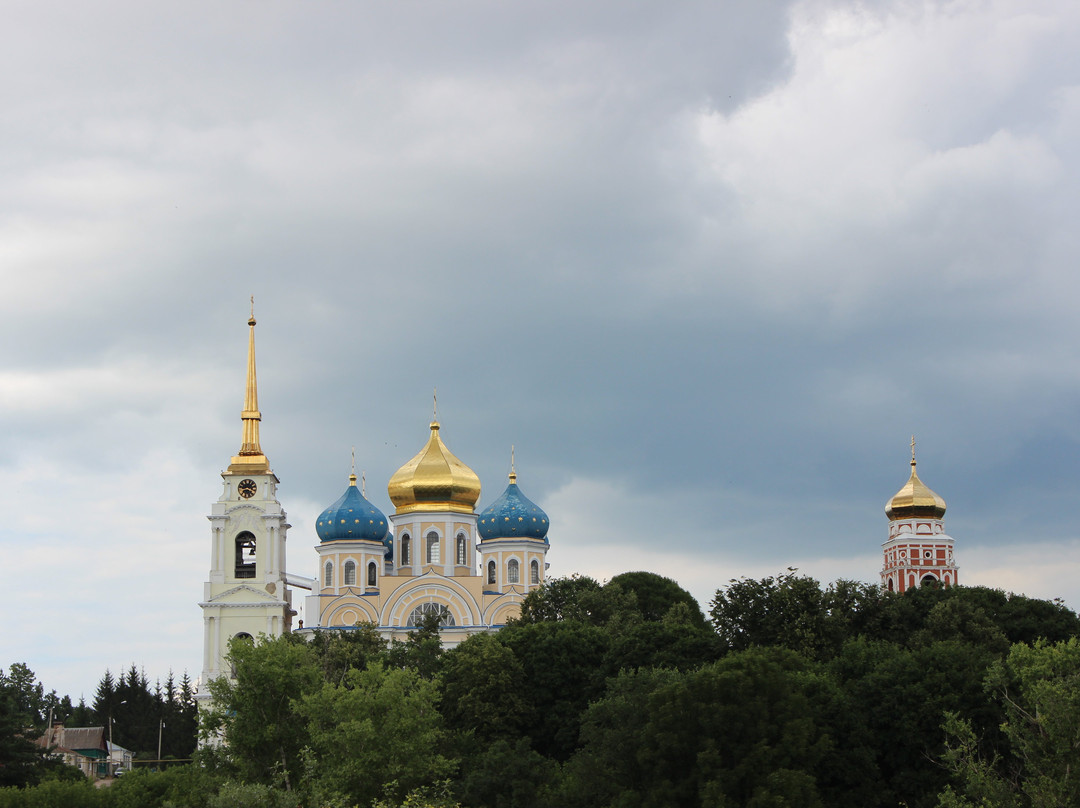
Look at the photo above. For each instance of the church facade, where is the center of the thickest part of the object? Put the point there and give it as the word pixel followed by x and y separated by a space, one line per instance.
pixel 434 555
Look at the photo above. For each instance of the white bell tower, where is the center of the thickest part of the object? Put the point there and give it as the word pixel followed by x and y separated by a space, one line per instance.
pixel 247 592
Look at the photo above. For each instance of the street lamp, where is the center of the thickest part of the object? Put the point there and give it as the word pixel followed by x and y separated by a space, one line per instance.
pixel 111 722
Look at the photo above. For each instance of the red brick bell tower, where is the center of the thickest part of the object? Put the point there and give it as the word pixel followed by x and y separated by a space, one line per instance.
pixel 918 551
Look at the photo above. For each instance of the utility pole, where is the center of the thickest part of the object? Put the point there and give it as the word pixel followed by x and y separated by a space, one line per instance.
pixel 161 726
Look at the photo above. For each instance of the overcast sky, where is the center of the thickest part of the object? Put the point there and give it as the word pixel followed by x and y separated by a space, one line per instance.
pixel 707 266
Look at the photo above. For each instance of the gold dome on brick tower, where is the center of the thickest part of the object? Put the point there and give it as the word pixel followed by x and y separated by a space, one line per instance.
pixel 434 480
pixel 915 500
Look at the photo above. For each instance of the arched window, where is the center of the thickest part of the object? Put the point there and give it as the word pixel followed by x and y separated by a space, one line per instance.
pixel 433 548
pixel 372 574
pixel 350 573
pixel 512 576
pixel 534 571
pixel 425 609
pixel 461 555
pixel 491 572
pixel 245 555
pixel 404 548
pixel 328 574
pixel 928 580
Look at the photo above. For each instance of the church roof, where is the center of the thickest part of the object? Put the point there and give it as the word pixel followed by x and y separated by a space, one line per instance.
pixel 351 517
pixel 434 480
pixel 915 500
pixel 513 515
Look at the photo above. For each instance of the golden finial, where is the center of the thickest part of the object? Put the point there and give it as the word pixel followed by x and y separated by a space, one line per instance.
pixel 513 471
pixel 435 409
pixel 363 483
pixel 352 470
pixel 912 450
pixel 250 458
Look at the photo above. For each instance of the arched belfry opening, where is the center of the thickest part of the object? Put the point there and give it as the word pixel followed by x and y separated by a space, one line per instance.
pixel 245 555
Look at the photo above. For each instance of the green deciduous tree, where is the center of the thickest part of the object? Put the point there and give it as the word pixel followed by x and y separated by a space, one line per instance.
pixel 56 794
pixel 342 651
pixel 376 733
pixel 563 665
pixel 1038 688
pixel 579 598
pixel 900 696
pixel 257 713
pixel 507 774
pixel 422 651
pixel 484 690
pixel 750 729
pixel 656 595
pixel 791 611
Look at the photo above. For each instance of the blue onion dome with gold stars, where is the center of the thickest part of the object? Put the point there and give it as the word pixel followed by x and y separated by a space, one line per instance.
pixel 513 515
pixel 352 517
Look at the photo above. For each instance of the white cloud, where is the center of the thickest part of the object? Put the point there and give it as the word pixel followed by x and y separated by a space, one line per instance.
pixel 716 260
pixel 892 137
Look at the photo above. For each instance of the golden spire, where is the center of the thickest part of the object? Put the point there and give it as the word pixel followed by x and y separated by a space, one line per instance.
pixel 513 472
pixel 251 459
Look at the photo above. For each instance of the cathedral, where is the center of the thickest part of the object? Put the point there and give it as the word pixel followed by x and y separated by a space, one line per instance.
pixel 434 555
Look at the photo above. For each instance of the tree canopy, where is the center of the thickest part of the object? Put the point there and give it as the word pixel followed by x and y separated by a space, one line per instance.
pixel 620 695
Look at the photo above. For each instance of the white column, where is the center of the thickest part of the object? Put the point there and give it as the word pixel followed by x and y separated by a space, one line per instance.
pixel 207 628
pixel 215 624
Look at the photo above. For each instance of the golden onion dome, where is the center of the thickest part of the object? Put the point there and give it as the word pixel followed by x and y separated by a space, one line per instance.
pixel 434 480
pixel 915 500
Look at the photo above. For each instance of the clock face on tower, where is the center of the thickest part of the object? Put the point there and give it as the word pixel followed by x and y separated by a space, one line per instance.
pixel 246 488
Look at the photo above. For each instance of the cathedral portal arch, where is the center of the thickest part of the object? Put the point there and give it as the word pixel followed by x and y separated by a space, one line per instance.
pixel 431 588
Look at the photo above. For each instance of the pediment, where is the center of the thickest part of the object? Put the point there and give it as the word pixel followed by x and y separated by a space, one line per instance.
pixel 243 593
pixel 243 506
